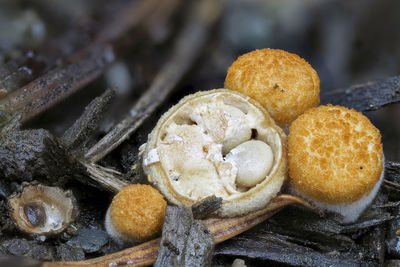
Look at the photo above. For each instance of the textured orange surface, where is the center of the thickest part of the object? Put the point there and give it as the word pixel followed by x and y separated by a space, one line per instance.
pixel 138 212
pixel 335 154
pixel 285 84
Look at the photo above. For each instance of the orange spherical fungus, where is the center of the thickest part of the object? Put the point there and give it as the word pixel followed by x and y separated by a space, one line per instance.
pixel 137 212
pixel 335 154
pixel 284 83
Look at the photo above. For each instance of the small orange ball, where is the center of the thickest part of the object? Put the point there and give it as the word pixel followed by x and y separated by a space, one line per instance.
pixel 137 212
pixel 284 83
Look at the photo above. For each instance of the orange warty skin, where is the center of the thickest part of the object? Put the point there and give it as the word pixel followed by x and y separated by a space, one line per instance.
pixel 284 83
pixel 138 212
pixel 335 154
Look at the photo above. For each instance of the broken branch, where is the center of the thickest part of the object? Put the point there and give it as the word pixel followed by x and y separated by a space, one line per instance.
pixel 222 229
pixel 87 64
pixel 58 84
pixel 109 179
pixel 186 49
pixel 366 97
pixel 78 135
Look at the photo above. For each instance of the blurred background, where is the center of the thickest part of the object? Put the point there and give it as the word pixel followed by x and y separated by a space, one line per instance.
pixel 347 42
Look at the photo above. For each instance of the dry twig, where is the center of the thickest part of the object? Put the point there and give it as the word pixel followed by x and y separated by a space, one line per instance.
pixel 85 66
pixel 186 49
pixel 366 97
pixel 108 178
pixel 80 133
pixel 222 229
pixel 51 88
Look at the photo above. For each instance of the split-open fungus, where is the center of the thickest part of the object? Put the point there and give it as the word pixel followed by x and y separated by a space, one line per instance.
pixel 43 210
pixel 220 143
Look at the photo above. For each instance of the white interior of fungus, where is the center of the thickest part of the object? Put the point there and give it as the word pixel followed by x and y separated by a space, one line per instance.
pixel 195 139
pixel 58 209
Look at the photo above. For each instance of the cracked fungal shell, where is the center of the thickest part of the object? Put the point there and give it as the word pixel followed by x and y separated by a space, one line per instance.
pixel 43 210
pixel 220 143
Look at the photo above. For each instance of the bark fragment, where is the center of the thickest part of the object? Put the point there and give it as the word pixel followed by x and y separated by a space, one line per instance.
pixel 206 207
pixel 271 249
pixel 392 171
pixel 185 241
pixel 81 132
pixel 33 154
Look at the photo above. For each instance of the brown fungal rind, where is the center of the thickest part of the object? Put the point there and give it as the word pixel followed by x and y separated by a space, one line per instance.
pixel 166 174
pixel 43 210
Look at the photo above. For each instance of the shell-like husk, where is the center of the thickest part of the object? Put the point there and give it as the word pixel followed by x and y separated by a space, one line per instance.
pixel 59 209
pixel 246 201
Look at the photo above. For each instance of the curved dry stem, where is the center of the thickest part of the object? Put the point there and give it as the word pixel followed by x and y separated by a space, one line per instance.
pixel 222 229
pixel 226 228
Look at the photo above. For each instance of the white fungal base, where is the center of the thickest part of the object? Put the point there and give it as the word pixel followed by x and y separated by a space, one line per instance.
pixel 350 211
pixel 113 233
